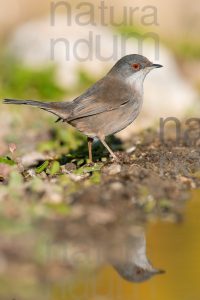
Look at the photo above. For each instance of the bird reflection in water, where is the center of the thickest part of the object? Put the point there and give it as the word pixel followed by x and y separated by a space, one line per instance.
pixel 132 263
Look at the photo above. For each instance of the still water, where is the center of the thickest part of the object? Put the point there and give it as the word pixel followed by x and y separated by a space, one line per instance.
pixel 173 247
pixel 160 260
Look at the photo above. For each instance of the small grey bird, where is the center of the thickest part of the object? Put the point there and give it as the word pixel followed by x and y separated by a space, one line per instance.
pixel 108 106
pixel 134 265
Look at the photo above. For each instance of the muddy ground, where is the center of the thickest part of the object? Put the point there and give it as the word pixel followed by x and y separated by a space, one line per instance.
pixel 153 178
pixel 64 200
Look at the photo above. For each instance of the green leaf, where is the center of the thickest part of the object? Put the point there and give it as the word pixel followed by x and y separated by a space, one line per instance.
pixel 55 168
pixel 80 162
pixel 7 160
pixel 96 177
pixel 88 169
pixel 42 167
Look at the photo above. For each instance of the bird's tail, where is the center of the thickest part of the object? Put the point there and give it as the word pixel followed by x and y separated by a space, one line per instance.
pixel 26 102
pixel 60 109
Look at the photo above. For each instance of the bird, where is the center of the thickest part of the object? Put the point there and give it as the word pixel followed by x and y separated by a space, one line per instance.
pixel 108 106
pixel 133 264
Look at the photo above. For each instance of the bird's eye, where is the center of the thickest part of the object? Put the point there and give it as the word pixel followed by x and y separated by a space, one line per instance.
pixel 139 271
pixel 136 66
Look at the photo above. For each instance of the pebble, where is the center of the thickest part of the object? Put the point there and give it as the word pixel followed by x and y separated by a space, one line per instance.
pixel 113 169
pixel 116 186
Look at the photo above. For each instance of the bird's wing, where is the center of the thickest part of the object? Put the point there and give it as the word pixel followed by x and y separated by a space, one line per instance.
pixel 103 96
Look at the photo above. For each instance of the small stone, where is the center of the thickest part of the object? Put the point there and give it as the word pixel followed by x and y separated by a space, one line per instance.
pixel 31 172
pixel 131 150
pixel 104 159
pixel 68 167
pixel 116 186
pixel 32 159
pixel 77 178
pixel 43 175
pixel 113 169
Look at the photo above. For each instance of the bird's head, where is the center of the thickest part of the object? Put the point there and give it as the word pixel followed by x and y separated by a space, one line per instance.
pixel 135 273
pixel 133 69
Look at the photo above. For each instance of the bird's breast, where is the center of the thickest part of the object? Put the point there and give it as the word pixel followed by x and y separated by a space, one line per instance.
pixel 120 118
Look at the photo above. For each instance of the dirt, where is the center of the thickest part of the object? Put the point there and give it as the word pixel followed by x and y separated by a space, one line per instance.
pixel 84 207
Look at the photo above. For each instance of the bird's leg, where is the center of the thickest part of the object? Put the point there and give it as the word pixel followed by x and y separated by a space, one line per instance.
pixel 90 141
pixel 108 148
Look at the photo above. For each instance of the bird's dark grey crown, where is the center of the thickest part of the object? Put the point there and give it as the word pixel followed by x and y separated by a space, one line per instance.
pixel 124 65
pixel 133 58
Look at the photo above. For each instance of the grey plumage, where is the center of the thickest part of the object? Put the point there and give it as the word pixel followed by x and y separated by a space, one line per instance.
pixel 108 106
pixel 133 264
pixel 60 109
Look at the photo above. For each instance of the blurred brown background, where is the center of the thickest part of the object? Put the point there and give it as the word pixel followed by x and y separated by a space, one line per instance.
pixel 178 19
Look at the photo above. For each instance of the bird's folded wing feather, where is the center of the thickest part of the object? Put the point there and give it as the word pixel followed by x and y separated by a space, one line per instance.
pixel 103 96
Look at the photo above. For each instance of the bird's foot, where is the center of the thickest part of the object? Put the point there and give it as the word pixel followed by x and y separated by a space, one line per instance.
pixel 121 157
pixel 116 159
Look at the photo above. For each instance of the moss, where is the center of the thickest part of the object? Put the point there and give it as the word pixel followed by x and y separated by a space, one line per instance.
pixel 18 81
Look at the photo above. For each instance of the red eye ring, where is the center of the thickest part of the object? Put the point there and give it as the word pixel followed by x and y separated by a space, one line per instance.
pixel 136 66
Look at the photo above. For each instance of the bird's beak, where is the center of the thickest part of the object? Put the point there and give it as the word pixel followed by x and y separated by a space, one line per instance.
pixel 158 271
pixel 156 66
pixel 161 271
